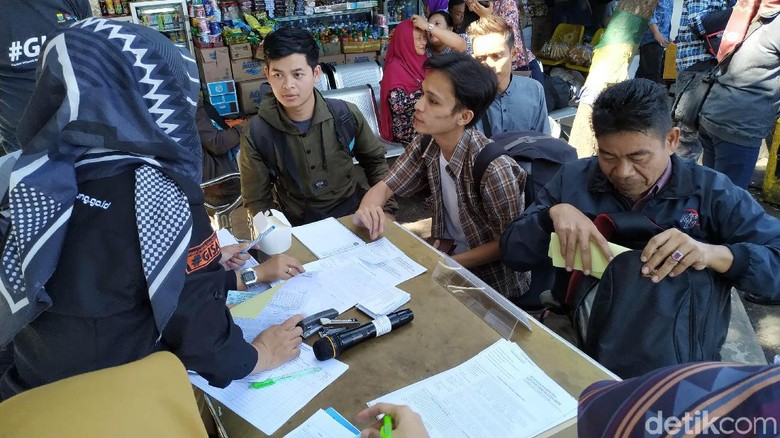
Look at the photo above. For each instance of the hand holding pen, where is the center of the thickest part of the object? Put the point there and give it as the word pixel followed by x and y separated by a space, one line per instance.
pixel 405 422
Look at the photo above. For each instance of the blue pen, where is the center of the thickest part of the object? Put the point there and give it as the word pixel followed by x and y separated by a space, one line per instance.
pixel 260 237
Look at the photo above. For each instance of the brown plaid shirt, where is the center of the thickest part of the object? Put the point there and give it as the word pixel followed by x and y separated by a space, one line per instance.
pixel 483 217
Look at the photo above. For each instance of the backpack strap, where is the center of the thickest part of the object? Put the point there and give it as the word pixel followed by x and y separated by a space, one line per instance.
pixel 214 115
pixel 268 142
pixel 487 129
pixel 486 156
pixel 345 124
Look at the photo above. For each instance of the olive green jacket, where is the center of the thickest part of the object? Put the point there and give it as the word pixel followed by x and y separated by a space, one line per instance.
pixel 327 175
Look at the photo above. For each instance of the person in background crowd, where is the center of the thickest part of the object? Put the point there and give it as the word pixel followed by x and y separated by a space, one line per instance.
pixel 692 57
pixel 316 176
pixel 401 84
pixel 221 143
pixel 520 104
pixel 456 92
pixel 24 28
pixel 654 42
pixel 743 103
pixel 431 6
pixel 111 176
pixel 441 38
pixel 462 17
pixel 507 9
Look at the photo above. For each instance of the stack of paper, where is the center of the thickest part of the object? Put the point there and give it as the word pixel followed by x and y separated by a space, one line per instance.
pixel 269 407
pixel 499 392
pixel 327 237
pixel 384 302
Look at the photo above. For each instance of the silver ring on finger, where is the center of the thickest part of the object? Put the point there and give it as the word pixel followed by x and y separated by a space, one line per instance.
pixel 677 256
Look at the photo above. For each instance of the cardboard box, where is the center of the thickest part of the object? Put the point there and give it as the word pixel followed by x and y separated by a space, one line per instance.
pixel 330 49
pixel 333 60
pixel 259 53
pixel 356 58
pixel 247 69
pixel 214 64
pixel 249 95
pixel 225 109
pixel 222 87
pixel 222 96
pixel 240 51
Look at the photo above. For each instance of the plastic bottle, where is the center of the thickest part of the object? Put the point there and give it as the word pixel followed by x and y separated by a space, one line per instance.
pixel 110 7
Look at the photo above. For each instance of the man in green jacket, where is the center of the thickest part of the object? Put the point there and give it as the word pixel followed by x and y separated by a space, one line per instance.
pixel 296 154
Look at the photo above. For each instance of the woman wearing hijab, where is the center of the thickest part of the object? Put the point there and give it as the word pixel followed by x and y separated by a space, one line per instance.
pixel 441 38
pixel 109 255
pixel 401 84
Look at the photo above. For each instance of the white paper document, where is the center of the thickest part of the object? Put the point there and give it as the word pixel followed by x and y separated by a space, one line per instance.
pixel 381 259
pixel 385 301
pixel 226 238
pixel 321 425
pixel 327 237
pixel 499 392
pixel 268 408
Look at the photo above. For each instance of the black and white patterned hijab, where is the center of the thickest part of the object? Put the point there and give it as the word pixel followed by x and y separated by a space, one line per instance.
pixel 110 96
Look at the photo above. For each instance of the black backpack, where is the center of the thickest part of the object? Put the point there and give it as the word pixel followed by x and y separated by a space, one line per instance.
pixel 538 154
pixel 633 326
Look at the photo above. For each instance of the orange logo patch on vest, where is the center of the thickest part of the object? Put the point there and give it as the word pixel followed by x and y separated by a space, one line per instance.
pixel 202 255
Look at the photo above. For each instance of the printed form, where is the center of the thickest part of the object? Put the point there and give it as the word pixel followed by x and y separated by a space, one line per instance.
pixel 499 392
pixel 327 237
pixel 268 408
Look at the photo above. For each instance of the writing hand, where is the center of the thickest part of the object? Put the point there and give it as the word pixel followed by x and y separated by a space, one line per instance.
pixel 406 422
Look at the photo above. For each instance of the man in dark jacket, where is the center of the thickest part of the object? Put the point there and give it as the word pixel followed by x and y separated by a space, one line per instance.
pixel 711 234
pixel 743 103
pixel 710 223
pixel 316 176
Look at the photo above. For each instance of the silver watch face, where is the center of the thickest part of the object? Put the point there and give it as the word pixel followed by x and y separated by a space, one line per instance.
pixel 249 276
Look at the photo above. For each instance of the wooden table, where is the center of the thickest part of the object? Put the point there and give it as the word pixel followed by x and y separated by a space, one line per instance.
pixel 444 334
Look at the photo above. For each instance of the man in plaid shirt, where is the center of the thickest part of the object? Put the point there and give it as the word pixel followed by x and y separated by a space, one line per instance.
pixel 456 92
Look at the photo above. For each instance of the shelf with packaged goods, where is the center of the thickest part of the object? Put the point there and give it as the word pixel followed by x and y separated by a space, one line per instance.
pixel 175 29
pixel 327 13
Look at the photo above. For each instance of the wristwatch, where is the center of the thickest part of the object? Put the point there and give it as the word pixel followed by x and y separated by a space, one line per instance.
pixel 249 277
pixel 430 27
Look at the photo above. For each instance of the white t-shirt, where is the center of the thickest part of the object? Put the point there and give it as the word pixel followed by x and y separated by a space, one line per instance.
pixel 449 194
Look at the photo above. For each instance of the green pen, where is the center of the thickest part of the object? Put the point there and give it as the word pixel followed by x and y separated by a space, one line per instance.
pixel 386 431
pixel 272 380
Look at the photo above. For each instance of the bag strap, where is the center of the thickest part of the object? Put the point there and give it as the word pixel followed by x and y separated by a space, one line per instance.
pixel 487 129
pixel 345 124
pixel 214 114
pixel 486 156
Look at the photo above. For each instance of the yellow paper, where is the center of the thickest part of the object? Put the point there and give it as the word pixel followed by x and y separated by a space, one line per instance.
pixel 253 306
pixel 597 260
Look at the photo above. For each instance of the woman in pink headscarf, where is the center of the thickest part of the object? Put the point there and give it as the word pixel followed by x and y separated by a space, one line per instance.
pixel 401 84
